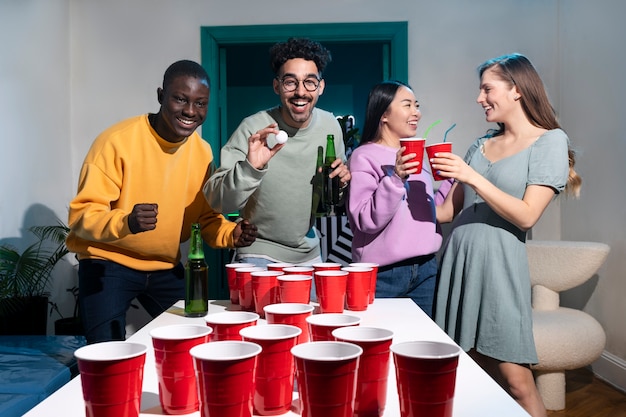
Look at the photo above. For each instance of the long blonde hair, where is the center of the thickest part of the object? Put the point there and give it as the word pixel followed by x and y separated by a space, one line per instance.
pixel 518 71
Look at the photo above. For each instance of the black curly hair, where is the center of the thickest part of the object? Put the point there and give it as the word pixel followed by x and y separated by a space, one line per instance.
pixel 299 48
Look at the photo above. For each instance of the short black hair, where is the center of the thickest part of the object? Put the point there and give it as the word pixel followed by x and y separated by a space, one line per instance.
pixel 185 68
pixel 299 48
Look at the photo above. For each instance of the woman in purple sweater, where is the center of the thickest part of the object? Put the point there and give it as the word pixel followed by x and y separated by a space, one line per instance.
pixel 391 209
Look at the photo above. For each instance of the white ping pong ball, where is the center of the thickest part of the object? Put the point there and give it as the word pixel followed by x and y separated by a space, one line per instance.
pixel 281 137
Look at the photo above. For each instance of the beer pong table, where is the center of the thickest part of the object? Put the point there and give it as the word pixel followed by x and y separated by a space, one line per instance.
pixel 477 395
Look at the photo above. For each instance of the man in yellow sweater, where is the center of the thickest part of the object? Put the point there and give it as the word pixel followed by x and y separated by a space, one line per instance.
pixel 139 191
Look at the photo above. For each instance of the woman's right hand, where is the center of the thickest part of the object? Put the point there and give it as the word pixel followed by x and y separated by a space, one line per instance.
pixel 452 166
pixel 403 168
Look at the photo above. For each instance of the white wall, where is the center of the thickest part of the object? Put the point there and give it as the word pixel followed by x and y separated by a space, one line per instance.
pixel 36 177
pixel 591 82
pixel 34 100
pixel 71 68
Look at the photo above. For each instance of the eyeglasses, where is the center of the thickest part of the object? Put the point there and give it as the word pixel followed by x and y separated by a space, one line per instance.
pixel 291 84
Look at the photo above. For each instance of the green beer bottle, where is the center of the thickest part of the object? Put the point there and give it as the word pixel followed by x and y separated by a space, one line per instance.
pixel 331 185
pixel 318 207
pixel 196 277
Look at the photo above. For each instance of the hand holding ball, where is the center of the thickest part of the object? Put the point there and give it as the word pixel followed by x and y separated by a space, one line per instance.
pixel 281 137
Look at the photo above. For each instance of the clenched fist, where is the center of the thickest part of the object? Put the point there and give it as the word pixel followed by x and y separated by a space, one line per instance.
pixel 143 218
pixel 244 234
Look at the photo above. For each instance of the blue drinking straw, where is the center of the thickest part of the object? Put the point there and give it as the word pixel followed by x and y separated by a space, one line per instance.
pixel 445 135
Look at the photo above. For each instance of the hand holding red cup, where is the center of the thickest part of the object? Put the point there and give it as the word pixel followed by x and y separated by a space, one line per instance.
pixel 431 150
pixel 416 146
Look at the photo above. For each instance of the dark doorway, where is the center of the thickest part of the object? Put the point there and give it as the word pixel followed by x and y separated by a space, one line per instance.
pixel 237 60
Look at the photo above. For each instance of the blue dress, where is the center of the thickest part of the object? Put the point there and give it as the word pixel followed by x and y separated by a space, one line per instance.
pixel 484 294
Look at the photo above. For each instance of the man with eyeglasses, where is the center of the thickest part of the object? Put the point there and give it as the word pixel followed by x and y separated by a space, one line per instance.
pixel 272 183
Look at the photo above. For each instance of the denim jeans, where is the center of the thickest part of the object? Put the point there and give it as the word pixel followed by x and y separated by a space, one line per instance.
pixel 106 290
pixel 415 279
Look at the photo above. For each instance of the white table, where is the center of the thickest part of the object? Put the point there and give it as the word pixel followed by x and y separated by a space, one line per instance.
pixel 477 395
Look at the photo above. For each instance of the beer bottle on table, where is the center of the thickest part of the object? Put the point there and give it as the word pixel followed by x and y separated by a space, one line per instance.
pixel 196 277
pixel 331 185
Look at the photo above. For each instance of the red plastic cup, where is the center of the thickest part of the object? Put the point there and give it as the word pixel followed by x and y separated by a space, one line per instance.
pixel 227 324
pixel 279 266
pixel 431 150
pixel 244 283
pixel 326 373
pixel 298 270
pixel 371 387
pixel 358 287
pixel 111 374
pixel 416 146
pixel 225 373
pixel 231 276
pixel 178 392
pixel 273 390
pixel 426 377
pixel 294 314
pixel 321 326
pixel 331 290
pixel 294 288
pixel 264 289
pixel 326 266
pixel 373 277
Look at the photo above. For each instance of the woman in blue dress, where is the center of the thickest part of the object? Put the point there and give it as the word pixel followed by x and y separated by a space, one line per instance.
pixel 502 187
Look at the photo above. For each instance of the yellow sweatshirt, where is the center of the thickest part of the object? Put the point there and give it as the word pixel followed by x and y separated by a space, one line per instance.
pixel 128 164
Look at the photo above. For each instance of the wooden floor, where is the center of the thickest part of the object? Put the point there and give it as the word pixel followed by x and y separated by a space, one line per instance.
pixel 588 396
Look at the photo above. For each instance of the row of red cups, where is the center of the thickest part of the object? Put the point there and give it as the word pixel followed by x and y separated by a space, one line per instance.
pixel 336 286
pixel 227 325
pixel 234 378
pixel 343 374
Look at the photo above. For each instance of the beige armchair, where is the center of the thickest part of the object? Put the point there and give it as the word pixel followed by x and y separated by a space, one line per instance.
pixel 565 338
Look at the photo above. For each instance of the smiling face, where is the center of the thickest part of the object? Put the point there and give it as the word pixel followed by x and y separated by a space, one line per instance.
pixel 184 104
pixel 497 97
pixel 297 106
pixel 400 119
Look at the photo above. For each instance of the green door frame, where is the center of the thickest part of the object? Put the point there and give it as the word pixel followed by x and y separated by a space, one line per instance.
pixel 213 39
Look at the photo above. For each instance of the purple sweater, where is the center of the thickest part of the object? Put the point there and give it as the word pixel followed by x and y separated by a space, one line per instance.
pixel 391 221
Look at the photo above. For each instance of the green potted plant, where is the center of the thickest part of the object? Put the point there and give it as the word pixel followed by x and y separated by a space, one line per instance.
pixel 72 325
pixel 24 280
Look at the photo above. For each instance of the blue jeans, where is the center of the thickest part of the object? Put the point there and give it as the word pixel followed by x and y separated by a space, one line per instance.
pixel 106 290
pixel 415 279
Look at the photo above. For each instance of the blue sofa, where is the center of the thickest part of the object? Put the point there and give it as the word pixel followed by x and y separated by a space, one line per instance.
pixel 32 368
